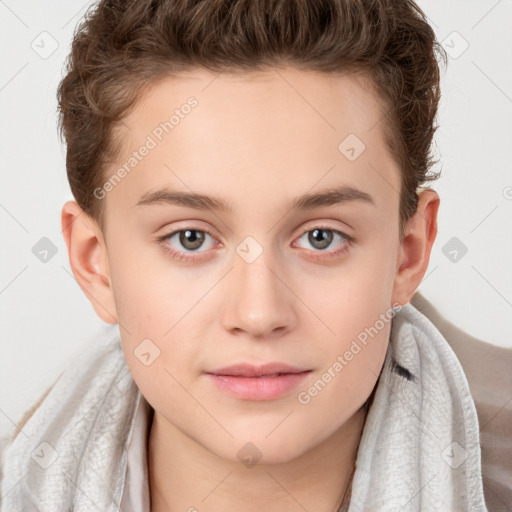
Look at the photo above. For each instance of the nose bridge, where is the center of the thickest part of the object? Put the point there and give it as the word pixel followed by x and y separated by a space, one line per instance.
pixel 259 301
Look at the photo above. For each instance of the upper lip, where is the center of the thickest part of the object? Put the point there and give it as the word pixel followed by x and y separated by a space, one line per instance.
pixel 251 370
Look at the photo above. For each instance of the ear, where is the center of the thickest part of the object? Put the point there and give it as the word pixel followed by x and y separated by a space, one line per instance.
pixel 88 259
pixel 414 254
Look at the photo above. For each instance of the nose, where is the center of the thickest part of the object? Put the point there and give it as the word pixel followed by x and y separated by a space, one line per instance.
pixel 259 301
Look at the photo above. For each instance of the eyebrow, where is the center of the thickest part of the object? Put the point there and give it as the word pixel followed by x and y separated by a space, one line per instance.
pixel 329 197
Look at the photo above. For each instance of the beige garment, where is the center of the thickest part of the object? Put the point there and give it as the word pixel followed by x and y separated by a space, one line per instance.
pixel 489 372
pixel 488 369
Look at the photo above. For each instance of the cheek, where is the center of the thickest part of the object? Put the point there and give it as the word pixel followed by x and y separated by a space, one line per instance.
pixel 163 306
pixel 353 313
pixel 356 348
pixel 351 297
pixel 150 298
pixel 352 359
pixel 165 317
pixel 153 308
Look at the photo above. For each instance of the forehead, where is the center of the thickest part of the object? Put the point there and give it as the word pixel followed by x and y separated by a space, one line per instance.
pixel 280 129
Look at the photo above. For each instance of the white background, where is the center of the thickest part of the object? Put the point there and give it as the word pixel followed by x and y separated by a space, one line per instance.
pixel 46 318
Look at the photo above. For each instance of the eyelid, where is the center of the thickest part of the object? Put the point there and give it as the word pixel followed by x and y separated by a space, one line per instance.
pixel 319 224
pixel 198 255
pixel 185 256
pixel 189 224
pixel 162 238
pixel 348 239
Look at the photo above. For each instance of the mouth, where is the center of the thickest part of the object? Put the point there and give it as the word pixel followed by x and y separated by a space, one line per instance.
pixel 250 382
pixel 251 370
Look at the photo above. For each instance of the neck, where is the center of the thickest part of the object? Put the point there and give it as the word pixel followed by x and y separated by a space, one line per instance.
pixel 183 475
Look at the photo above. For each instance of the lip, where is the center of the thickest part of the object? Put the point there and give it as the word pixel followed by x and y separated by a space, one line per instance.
pixel 252 370
pixel 264 382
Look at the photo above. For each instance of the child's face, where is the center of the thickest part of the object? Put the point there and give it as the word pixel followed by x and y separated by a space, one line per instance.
pixel 258 289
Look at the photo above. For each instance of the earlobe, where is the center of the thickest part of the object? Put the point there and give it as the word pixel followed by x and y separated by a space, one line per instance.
pixel 88 259
pixel 416 247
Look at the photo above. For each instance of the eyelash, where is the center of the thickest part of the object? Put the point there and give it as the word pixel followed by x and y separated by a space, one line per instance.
pixel 182 256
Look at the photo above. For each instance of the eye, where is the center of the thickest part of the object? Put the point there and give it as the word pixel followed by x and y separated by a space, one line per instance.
pixel 182 242
pixel 190 239
pixel 321 238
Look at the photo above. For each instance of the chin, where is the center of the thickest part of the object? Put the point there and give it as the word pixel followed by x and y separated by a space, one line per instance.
pixel 259 450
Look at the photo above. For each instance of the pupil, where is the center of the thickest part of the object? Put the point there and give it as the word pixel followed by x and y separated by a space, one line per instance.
pixel 320 238
pixel 190 240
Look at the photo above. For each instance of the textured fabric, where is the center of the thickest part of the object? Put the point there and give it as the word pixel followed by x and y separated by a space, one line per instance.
pixel 136 490
pixel 488 369
pixel 72 454
pixel 419 448
pixel 420 445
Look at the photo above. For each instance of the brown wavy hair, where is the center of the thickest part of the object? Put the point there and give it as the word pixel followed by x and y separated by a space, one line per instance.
pixel 121 46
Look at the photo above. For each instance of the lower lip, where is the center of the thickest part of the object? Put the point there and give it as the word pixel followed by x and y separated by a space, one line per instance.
pixel 258 388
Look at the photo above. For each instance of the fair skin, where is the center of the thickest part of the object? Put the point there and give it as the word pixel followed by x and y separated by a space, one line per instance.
pixel 256 143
